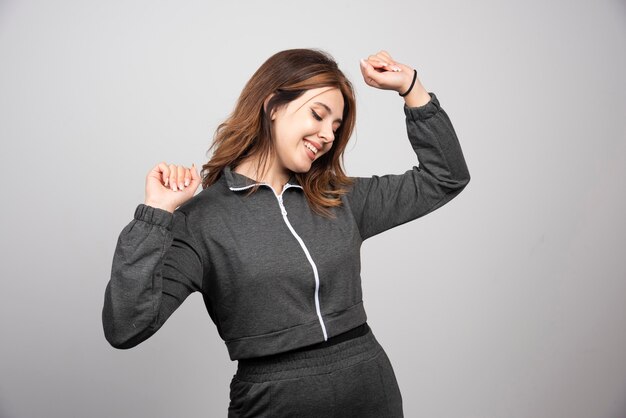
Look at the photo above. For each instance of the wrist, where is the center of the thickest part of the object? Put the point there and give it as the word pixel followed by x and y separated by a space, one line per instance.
pixel 409 83
pixel 418 96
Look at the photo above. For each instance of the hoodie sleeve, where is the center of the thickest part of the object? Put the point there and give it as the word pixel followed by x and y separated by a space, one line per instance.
pixel 379 203
pixel 156 265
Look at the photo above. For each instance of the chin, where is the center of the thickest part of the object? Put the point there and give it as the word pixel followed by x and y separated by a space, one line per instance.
pixel 302 168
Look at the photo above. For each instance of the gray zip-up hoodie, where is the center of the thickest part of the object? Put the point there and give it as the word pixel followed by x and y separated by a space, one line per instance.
pixel 274 275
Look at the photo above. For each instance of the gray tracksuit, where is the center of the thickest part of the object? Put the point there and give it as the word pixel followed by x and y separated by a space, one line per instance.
pixel 274 275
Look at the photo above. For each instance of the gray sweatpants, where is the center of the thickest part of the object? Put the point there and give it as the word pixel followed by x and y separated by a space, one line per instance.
pixel 353 378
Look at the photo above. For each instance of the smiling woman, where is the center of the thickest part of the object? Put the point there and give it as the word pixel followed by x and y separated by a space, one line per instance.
pixel 301 135
pixel 312 144
pixel 273 240
pixel 296 97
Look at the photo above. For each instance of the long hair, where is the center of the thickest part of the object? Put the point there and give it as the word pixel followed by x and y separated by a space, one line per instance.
pixel 247 131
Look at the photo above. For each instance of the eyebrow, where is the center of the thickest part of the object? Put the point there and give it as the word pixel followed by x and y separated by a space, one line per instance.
pixel 329 111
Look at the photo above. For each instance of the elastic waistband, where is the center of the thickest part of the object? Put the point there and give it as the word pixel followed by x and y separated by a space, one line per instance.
pixel 308 362
pixel 348 335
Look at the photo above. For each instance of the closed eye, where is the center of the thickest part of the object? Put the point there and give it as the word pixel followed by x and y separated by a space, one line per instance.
pixel 315 115
pixel 319 118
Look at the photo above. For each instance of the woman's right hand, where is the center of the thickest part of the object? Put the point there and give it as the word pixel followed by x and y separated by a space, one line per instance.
pixel 169 186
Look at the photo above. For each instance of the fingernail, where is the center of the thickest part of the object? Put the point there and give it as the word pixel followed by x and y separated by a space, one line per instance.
pixel 186 182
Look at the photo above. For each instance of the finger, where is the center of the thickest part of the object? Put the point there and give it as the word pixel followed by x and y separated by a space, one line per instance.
pixel 172 176
pixel 377 64
pixel 392 64
pixel 367 68
pixel 369 73
pixel 180 178
pixel 165 172
pixel 187 177
pixel 382 65
pixel 195 177
pixel 377 59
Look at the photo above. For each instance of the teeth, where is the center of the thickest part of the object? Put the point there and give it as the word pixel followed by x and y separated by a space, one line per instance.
pixel 311 147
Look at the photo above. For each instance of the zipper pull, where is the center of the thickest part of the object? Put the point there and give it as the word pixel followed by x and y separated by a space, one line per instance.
pixel 282 207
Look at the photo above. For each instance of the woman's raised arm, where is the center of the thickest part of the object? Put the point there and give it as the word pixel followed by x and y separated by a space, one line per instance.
pixel 379 203
pixel 157 263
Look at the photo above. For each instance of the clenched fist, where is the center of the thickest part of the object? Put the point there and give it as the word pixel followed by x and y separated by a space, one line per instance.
pixel 169 186
pixel 381 71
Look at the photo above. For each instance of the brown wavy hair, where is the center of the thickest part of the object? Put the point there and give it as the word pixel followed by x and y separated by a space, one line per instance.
pixel 247 130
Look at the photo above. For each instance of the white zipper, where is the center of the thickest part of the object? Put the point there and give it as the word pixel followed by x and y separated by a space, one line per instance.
pixel 283 211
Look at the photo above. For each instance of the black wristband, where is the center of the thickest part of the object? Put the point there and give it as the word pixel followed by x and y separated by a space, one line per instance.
pixel 412 84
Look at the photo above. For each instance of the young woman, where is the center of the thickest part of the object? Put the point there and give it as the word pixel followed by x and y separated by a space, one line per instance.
pixel 273 240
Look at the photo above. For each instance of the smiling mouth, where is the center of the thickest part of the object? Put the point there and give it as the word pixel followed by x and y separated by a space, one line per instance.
pixel 309 152
pixel 311 147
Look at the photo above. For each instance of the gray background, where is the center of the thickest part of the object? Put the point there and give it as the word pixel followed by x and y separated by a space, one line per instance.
pixel 507 302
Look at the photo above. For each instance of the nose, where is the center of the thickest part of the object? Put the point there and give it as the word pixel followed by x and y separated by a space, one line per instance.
pixel 327 135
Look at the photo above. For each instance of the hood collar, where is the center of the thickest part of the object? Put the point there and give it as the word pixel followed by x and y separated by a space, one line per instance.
pixel 236 180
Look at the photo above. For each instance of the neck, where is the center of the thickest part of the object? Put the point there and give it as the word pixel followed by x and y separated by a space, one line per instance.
pixel 275 176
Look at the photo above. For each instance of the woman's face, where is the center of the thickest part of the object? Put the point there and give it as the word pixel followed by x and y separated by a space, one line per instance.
pixel 304 129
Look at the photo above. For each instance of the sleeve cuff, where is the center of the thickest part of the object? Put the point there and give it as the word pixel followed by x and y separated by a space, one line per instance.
pixel 154 215
pixel 423 112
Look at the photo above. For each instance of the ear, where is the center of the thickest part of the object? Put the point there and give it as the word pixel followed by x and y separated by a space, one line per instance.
pixel 273 115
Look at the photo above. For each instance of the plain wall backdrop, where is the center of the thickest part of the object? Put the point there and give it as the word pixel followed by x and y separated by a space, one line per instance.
pixel 507 302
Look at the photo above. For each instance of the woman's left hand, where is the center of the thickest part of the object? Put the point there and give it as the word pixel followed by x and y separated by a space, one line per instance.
pixel 383 72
